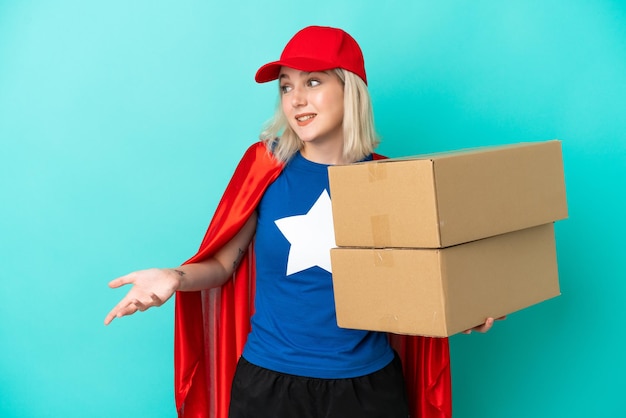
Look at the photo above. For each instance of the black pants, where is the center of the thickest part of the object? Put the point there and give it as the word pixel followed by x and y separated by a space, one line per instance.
pixel 263 393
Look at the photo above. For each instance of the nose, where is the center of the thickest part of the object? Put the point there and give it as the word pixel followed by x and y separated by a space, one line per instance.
pixel 298 97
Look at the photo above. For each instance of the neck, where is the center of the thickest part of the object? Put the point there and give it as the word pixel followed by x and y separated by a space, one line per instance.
pixel 323 153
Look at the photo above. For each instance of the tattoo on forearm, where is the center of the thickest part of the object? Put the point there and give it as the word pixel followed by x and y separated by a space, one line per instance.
pixel 238 259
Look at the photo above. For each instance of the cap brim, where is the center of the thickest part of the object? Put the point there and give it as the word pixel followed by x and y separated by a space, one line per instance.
pixel 271 71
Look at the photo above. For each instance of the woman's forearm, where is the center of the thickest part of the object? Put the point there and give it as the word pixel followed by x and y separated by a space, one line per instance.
pixel 216 270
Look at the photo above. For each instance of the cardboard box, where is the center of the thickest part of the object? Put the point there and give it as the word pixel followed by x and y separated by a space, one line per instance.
pixel 440 292
pixel 446 199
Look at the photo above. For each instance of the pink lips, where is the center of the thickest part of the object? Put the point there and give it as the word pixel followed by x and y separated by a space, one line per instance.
pixel 304 119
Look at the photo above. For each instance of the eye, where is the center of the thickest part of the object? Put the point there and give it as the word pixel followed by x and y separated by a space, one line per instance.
pixel 285 88
pixel 313 82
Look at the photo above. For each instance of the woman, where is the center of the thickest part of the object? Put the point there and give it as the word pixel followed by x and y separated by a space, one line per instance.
pixel 295 361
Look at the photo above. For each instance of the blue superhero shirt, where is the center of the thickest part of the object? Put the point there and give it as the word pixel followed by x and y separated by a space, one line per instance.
pixel 294 328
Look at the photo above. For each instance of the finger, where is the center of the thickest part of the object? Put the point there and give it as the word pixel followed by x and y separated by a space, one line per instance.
pixel 109 318
pixel 486 326
pixel 121 281
pixel 125 307
pixel 113 313
pixel 126 310
pixel 145 305
pixel 141 306
pixel 156 301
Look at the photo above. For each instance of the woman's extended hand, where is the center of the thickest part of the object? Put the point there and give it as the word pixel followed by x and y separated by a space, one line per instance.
pixel 484 327
pixel 150 288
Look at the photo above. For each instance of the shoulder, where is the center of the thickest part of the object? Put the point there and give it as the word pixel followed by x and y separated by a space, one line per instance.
pixel 259 152
pixel 257 148
pixel 258 159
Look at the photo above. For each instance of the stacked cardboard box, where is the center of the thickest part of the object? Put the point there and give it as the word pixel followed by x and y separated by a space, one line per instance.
pixel 433 245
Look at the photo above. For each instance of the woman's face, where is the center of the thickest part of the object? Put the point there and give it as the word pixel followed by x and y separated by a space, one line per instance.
pixel 313 105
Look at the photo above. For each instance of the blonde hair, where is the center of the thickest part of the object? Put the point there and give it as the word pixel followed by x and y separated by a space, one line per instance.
pixel 359 135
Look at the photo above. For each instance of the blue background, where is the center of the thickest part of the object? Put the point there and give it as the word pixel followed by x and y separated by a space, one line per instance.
pixel 121 122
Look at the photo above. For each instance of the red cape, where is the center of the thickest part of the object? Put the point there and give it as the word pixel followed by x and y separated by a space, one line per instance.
pixel 211 326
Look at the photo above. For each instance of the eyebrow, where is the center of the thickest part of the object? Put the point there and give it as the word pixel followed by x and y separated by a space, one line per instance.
pixel 283 75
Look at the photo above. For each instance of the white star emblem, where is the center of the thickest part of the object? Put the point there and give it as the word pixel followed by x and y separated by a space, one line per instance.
pixel 311 236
